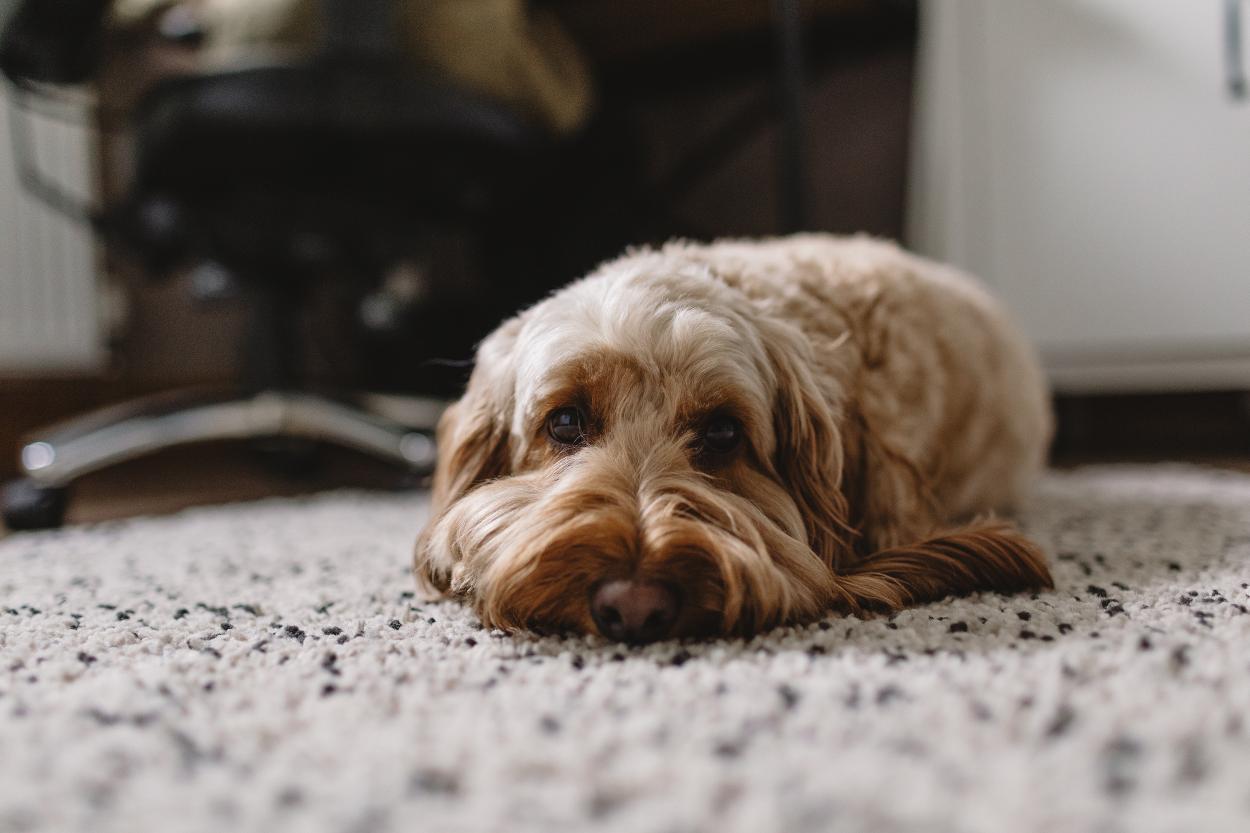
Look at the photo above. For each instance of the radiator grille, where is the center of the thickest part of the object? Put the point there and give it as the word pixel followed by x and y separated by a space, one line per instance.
pixel 49 319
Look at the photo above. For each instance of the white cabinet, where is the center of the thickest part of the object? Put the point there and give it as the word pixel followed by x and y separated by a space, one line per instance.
pixel 1085 158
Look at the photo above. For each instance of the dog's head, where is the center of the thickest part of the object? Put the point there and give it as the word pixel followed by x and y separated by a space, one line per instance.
pixel 644 454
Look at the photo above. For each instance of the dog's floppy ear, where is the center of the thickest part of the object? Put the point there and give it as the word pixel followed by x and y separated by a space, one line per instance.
pixel 986 555
pixel 809 446
pixel 473 448
pixel 473 444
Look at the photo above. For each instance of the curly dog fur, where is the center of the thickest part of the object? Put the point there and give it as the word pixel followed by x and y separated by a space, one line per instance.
pixel 772 429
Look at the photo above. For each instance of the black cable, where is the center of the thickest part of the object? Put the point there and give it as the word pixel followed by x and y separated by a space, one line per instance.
pixel 791 167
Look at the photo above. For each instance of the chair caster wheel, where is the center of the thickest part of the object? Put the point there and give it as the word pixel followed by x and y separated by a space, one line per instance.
pixel 26 504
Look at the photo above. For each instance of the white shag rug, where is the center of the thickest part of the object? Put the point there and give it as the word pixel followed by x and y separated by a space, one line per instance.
pixel 263 667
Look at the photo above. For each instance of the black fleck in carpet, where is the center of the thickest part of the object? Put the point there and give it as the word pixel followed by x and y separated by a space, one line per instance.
pixel 265 667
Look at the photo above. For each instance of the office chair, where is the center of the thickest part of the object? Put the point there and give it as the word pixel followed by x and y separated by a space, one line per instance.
pixel 280 176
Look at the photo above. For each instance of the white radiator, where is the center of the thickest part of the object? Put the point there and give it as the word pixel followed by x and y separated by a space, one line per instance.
pixel 49 299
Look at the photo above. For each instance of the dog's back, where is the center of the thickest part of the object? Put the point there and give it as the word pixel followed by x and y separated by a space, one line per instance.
pixel 943 400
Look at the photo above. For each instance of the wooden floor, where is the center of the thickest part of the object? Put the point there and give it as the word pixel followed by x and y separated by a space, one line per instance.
pixel 219 473
pixel 223 474
pixel 1209 429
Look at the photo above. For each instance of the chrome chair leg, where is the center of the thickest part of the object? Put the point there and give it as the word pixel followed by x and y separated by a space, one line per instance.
pixel 116 434
pixel 52 461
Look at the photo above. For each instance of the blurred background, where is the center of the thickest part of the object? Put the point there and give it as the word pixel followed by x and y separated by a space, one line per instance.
pixel 297 217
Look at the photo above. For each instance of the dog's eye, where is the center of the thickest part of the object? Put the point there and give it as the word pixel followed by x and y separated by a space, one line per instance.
pixel 722 433
pixel 566 426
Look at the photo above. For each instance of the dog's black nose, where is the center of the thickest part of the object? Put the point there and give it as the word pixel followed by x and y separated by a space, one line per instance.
pixel 637 612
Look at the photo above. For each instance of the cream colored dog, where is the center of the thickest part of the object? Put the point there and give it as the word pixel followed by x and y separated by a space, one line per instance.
pixel 717 439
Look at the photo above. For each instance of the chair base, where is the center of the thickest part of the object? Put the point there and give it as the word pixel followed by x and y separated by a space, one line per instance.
pixel 53 460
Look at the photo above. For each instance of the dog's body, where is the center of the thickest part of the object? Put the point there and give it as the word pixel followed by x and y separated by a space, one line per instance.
pixel 721 438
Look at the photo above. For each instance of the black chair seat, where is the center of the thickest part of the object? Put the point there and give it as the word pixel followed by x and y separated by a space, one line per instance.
pixel 335 126
pixel 297 169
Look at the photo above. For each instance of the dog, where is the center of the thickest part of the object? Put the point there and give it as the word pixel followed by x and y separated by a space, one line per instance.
pixel 719 439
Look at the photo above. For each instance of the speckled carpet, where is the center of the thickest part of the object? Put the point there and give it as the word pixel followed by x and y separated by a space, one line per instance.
pixel 264 667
